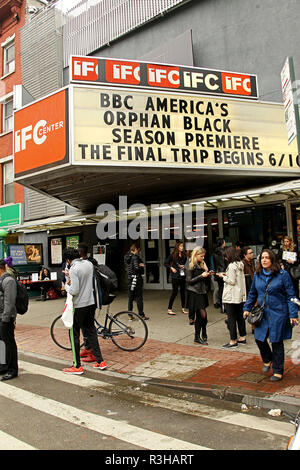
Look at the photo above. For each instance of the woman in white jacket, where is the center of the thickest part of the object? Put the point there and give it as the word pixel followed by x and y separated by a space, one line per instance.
pixel 234 296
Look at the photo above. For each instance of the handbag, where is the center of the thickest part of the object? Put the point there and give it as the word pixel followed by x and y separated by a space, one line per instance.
pixel 295 272
pixel 68 313
pixel 256 315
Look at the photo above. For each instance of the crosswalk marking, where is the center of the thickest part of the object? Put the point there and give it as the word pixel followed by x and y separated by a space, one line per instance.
pixel 59 375
pixel 117 429
pixel 224 416
pixel 8 442
pixel 183 406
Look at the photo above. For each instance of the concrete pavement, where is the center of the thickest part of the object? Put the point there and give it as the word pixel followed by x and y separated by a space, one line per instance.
pixel 170 357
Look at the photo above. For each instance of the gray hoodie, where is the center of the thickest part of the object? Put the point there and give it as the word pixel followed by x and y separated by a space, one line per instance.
pixel 8 294
pixel 81 276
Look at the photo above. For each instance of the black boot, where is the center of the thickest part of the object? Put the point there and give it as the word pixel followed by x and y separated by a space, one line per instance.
pixel 197 339
pixel 204 333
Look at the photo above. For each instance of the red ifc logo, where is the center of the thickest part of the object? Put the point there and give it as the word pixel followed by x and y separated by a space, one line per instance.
pixel 122 72
pixel 161 76
pixel 84 69
pixel 236 84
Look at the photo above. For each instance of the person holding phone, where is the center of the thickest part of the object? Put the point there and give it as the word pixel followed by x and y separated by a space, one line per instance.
pixel 234 296
pixel 196 277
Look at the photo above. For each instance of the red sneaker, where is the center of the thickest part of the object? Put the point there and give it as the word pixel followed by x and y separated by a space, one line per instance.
pixel 85 352
pixel 89 358
pixel 73 370
pixel 100 366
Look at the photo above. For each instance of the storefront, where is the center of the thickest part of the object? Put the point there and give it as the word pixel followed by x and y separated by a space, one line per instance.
pixel 117 141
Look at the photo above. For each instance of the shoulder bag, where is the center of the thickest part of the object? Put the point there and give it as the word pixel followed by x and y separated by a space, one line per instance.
pixel 256 315
pixel 295 272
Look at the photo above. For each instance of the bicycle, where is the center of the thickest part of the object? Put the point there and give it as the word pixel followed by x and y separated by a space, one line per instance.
pixel 127 330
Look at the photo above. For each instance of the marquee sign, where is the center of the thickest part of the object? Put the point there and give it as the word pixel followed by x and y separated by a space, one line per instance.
pixel 139 128
pixel 105 71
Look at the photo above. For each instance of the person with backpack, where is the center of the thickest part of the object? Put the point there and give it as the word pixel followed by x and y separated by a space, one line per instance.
pixel 10 269
pixel 135 269
pixel 8 314
pixel 80 286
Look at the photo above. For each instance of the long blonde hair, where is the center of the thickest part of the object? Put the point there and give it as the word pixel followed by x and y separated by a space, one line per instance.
pixel 292 245
pixel 197 251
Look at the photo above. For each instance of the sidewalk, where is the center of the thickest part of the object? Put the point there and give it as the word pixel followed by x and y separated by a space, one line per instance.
pixel 170 357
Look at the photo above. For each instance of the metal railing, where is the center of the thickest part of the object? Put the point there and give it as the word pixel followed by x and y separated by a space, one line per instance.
pixel 92 24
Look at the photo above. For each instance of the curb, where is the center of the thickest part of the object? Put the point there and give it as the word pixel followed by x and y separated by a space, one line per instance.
pixel 289 405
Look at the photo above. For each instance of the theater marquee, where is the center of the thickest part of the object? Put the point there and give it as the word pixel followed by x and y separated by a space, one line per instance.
pixel 134 128
pixel 139 74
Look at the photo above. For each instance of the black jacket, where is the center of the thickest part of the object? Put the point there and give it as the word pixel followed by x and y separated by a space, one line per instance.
pixel 174 263
pixel 132 263
pixel 219 261
pixel 195 282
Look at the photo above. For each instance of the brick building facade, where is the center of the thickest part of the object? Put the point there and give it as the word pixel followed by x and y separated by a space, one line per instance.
pixel 12 18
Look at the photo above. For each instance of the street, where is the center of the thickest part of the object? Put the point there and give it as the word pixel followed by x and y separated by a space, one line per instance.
pixel 102 411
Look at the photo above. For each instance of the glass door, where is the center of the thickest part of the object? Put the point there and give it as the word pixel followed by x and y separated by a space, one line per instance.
pixel 153 259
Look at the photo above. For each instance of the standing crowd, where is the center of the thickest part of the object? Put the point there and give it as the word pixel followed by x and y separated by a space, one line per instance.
pixel 239 285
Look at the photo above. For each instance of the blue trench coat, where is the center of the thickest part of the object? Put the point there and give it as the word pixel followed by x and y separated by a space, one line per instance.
pixel 278 306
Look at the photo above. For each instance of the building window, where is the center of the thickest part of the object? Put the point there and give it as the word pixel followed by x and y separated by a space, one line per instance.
pixel 8 115
pixel 259 225
pixel 9 58
pixel 8 177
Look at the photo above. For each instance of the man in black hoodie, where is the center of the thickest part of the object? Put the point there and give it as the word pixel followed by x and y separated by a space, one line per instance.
pixel 135 269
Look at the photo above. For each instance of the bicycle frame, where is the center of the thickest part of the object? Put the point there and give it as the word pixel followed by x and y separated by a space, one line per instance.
pixel 103 331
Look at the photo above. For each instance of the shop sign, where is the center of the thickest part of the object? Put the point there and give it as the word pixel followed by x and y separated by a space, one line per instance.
pixel 105 71
pixel 11 215
pixel 289 98
pixel 150 129
pixel 41 134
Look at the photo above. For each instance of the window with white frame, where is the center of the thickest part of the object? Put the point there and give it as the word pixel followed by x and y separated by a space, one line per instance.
pixel 8 180
pixel 8 115
pixel 9 57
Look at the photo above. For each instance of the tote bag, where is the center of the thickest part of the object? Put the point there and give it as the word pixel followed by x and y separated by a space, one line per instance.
pixel 68 313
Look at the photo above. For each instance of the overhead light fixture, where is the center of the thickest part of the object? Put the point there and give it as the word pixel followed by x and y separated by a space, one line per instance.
pixel 80 219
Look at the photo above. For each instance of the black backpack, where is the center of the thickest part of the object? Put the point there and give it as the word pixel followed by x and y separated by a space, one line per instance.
pixel 22 298
pixel 105 285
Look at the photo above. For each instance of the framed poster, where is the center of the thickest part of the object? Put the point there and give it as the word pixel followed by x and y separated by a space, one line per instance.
pixel 99 253
pixel 72 241
pixel 56 250
pixel 24 254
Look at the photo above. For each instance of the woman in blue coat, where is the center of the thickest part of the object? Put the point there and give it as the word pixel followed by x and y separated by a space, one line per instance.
pixel 280 314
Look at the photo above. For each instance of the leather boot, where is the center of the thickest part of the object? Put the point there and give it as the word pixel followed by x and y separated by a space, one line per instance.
pixel 197 339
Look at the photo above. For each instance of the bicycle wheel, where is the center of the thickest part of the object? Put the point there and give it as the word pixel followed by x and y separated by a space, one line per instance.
pixel 127 334
pixel 60 334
